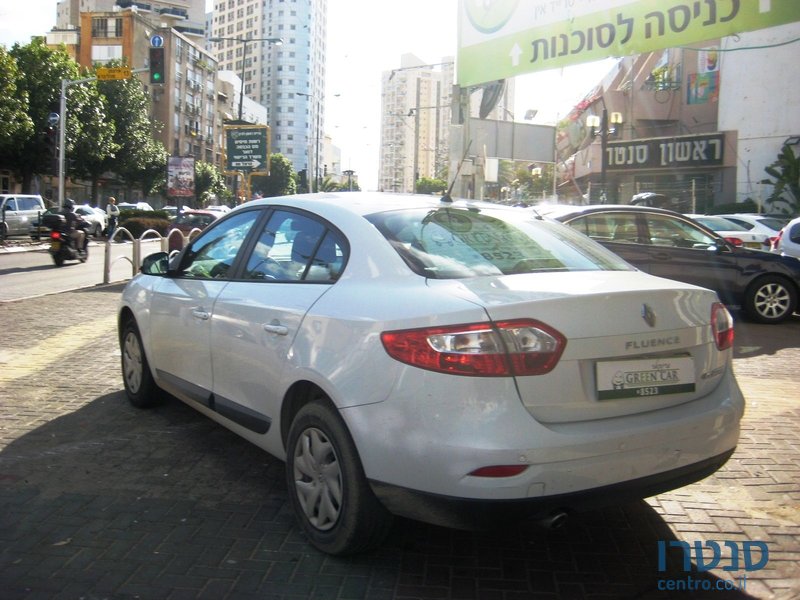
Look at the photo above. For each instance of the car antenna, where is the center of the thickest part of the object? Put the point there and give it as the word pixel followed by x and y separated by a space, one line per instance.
pixel 447 197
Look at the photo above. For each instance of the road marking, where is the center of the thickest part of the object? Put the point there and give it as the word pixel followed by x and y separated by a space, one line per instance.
pixel 50 350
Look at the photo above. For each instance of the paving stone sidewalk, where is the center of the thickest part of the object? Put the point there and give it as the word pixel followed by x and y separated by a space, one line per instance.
pixel 100 500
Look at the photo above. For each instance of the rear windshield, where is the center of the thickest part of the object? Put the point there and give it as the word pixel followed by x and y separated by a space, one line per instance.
pixel 452 243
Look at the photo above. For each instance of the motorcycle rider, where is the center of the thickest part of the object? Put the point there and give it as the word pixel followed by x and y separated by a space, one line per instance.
pixel 76 233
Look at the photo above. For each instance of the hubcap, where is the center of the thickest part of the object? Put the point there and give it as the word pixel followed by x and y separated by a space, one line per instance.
pixel 772 300
pixel 132 362
pixel 318 478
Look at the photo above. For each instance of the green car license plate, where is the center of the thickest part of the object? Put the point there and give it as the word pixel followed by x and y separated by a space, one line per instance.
pixel 644 377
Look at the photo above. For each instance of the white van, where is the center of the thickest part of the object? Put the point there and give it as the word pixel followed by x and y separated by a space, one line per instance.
pixel 17 212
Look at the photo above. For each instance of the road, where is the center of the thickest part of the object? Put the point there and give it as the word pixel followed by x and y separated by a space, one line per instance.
pixel 102 500
pixel 30 274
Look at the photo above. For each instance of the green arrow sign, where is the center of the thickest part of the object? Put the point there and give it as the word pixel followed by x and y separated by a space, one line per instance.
pixel 247 149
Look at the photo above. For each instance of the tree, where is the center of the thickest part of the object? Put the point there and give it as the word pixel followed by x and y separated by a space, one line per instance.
pixel 785 172
pixel 430 185
pixel 17 125
pixel 208 183
pixel 40 73
pixel 281 179
pixel 141 160
pixel 93 150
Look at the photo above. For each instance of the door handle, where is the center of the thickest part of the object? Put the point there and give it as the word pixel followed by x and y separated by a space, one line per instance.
pixel 200 314
pixel 276 328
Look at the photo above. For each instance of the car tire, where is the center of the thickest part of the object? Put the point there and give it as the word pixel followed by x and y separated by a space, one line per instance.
pixel 97 231
pixel 770 299
pixel 327 487
pixel 140 387
pixel 3 231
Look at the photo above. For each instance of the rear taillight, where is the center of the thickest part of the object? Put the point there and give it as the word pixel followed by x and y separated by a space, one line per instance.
pixel 734 241
pixel 55 235
pixel 722 326
pixel 503 349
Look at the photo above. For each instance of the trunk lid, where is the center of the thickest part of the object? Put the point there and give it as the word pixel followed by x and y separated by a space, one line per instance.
pixel 635 343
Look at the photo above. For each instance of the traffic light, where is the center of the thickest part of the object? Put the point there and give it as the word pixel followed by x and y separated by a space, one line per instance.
pixel 157 74
pixel 51 140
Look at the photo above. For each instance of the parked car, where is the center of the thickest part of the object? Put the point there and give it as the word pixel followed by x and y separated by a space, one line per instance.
pixel 769 224
pixel 96 218
pixel 17 212
pixel 38 229
pixel 668 244
pixel 733 233
pixel 220 208
pixel 788 243
pixel 134 206
pixel 188 221
pixel 433 359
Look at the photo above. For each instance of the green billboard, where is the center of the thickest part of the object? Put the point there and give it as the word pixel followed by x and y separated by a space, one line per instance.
pixel 504 38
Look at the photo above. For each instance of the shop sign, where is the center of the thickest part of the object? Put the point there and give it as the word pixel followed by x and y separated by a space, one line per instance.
pixel 666 153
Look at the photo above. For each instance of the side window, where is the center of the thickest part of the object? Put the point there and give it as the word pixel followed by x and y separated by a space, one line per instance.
pixel 620 228
pixel 211 254
pixel 794 233
pixel 295 247
pixel 666 231
pixel 11 204
pixel 30 204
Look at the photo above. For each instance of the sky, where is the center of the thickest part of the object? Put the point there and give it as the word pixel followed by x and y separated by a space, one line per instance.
pixel 366 38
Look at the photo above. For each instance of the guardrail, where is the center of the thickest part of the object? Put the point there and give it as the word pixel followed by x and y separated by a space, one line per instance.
pixel 136 259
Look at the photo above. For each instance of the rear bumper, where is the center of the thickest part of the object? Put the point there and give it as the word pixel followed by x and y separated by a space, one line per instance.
pixel 461 513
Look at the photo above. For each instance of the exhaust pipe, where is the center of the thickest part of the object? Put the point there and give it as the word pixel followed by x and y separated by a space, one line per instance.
pixel 555 520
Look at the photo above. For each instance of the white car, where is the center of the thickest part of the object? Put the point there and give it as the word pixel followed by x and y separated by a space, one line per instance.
pixel 220 208
pixel 134 206
pixel 458 363
pixel 788 242
pixel 733 233
pixel 96 218
pixel 757 223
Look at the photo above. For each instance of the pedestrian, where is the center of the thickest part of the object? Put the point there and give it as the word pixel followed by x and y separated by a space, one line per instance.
pixel 112 212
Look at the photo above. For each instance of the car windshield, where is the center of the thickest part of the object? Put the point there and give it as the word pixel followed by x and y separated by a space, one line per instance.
pixel 452 243
pixel 194 220
pixel 773 223
pixel 719 224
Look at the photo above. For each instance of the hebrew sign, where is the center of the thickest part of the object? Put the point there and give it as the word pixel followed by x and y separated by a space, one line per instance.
pixel 504 38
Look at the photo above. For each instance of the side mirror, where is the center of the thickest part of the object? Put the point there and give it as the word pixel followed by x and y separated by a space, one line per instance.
pixel 155 264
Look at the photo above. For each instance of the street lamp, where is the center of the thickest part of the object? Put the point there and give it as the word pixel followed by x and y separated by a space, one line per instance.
pixel 601 126
pixel 316 144
pixel 245 41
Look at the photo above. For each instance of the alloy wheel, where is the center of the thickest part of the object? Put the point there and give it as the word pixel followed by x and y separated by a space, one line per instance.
pixel 772 300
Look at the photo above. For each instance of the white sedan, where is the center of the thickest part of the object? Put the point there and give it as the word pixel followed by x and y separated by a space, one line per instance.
pixel 735 234
pixel 460 363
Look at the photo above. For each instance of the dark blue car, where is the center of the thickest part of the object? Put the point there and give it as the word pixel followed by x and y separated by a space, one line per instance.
pixel 668 244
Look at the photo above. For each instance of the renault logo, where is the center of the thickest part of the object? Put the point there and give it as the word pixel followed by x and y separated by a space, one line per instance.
pixel 648 315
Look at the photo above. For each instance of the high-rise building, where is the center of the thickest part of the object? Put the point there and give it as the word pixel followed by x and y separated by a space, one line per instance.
pixel 289 79
pixel 185 16
pixel 415 117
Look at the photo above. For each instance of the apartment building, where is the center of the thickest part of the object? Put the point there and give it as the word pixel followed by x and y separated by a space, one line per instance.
pixel 415 118
pixel 288 78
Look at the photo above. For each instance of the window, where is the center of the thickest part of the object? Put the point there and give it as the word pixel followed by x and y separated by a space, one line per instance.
pixel 211 255
pixel 455 243
pixel 293 247
pixel 668 231
pixel 609 227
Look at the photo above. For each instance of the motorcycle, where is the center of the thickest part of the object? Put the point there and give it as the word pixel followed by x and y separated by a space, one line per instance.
pixel 62 246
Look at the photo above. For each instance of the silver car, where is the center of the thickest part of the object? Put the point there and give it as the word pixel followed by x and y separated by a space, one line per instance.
pixel 460 363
